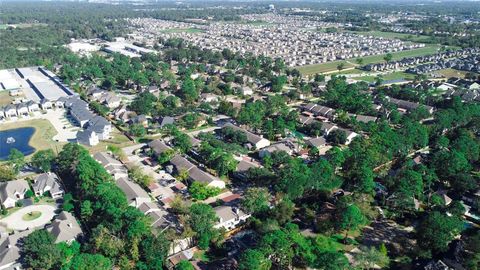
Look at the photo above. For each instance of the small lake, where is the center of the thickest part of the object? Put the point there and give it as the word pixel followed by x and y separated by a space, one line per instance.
pixel 21 136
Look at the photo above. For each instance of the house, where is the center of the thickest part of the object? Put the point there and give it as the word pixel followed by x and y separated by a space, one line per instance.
pixel 79 111
pixel 140 119
pixel 48 182
pixel 135 194
pixel 243 166
pixel 229 217
pixel 10 110
pixel 65 228
pixel 10 247
pixel 317 142
pixel 156 214
pixel 158 147
pixel 101 126
pixel 287 146
pixel 87 137
pixel 46 104
pixel 114 167
pixel 167 120
pixel 13 191
pixel 109 99
pixel 32 106
pixel 327 128
pixel 22 109
pixel 194 173
pixel 257 141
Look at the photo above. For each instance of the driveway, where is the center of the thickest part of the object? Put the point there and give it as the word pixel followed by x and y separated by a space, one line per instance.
pixel 15 220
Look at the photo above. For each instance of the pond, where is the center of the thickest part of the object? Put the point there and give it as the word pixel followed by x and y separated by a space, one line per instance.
pixel 21 138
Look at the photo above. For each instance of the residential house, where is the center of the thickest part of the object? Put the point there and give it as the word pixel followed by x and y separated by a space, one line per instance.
pixel 13 191
pixel 10 247
pixel 87 137
pixel 114 167
pixel 101 126
pixel 10 110
pixel 109 99
pixel 32 106
pixel 229 217
pixel 46 104
pixel 194 173
pixel 65 228
pixel 48 182
pixel 22 109
pixel 158 147
pixel 255 140
pixel 135 194
pixel 140 119
pixel 318 142
pixel 167 120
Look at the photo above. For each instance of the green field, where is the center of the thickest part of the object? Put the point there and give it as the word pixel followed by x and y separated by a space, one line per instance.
pixel 387 77
pixel 332 66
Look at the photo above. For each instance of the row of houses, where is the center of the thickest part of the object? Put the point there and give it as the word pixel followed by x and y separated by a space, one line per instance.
pixel 136 196
pixel 183 165
pixel 13 191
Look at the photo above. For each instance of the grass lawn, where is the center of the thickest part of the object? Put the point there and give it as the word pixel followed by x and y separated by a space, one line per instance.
pixel 44 132
pixel 324 67
pixel 256 23
pixel 183 30
pixel 5 98
pixel 387 77
pixel 332 66
pixel 31 216
pixel 449 72
pixel 118 139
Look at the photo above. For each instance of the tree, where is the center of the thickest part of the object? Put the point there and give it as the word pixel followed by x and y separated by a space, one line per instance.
pixel 201 219
pixel 43 160
pixel 388 57
pixel 85 261
pixel 370 256
pixel 200 191
pixel 253 259
pixel 184 265
pixel 337 137
pixel 137 130
pixel 278 246
pixel 341 66
pixel 351 218
pixel 331 260
pixel 437 230
pixel 256 200
pixel 16 159
pixel 6 173
pixel 39 250
pixel 359 61
pixel 188 91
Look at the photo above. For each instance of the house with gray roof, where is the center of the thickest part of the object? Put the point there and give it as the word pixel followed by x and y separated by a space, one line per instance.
pixel 167 120
pixel 255 140
pixel 10 110
pixel 10 247
pixel 159 147
pixel 135 194
pixel 114 167
pixel 194 173
pixel 13 191
pixel 65 228
pixel 87 137
pixel 48 182
pixel 229 217
pixel 101 126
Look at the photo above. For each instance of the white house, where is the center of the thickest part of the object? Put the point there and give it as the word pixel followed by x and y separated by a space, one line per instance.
pixel 12 191
pixel 87 137
pixel 48 182
pixel 32 106
pixel 229 217
pixel 10 111
pixel 22 109
pixel 46 104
